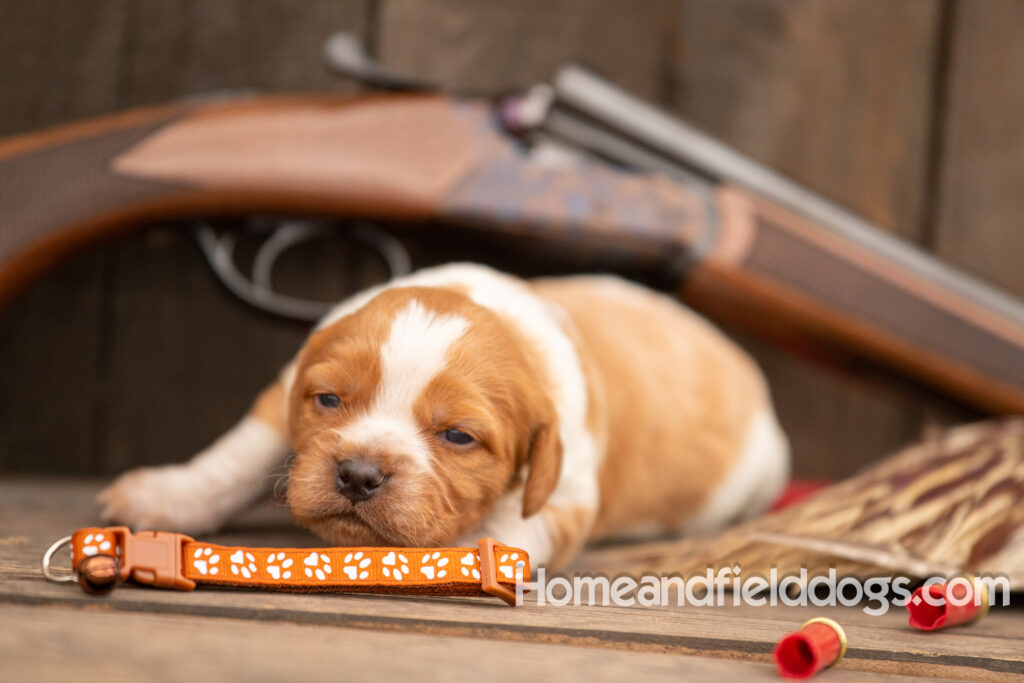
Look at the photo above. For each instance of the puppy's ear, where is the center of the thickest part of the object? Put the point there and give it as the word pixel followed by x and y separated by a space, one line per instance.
pixel 545 463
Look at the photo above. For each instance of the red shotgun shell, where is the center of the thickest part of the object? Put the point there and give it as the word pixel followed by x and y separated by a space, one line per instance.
pixel 819 643
pixel 950 604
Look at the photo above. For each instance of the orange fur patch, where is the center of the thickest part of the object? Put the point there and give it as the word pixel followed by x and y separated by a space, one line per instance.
pixel 678 398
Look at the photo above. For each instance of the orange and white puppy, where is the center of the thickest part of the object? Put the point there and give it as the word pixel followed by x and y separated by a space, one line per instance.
pixel 459 402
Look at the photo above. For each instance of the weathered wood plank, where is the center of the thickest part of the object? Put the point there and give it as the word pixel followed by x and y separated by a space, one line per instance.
pixel 986 651
pixel 49 343
pixel 834 93
pixel 58 644
pixel 493 47
pixel 980 197
pixel 176 49
pixel 837 95
pixel 60 61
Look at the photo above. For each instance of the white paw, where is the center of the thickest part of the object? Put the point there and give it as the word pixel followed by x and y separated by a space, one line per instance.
pixel 243 563
pixel 92 545
pixel 205 561
pixel 470 565
pixel 356 566
pixel 168 498
pixel 317 564
pixel 510 566
pixel 431 566
pixel 279 567
pixel 395 566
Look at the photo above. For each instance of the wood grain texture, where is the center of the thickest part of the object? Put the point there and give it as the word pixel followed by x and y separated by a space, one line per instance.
pixel 980 198
pixel 50 337
pixel 491 47
pixel 59 644
pixel 176 48
pixel 443 632
pixel 49 343
pixel 60 60
pixel 835 94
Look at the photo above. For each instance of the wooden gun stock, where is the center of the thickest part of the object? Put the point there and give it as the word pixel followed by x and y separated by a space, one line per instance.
pixel 783 277
pixel 434 159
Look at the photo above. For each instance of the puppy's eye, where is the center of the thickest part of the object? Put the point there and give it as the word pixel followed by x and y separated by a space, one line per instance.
pixel 459 438
pixel 328 400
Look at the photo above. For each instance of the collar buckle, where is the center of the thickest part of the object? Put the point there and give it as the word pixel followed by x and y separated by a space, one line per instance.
pixel 488 573
pixel 153 558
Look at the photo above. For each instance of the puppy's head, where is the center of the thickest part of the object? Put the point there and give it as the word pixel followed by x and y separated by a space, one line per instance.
pixel 412 416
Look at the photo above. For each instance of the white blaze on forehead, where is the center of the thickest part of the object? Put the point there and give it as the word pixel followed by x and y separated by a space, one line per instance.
pixel 415 351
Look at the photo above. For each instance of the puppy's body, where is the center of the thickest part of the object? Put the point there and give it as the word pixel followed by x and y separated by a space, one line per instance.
pixel 594 408
pixel 682 415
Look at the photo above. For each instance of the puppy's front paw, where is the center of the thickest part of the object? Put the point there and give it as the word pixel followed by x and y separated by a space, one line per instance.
pixel 171 498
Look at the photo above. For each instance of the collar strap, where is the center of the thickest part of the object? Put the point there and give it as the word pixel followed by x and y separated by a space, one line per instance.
pixel 170 560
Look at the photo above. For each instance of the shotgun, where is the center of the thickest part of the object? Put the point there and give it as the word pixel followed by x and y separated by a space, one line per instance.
pixel 578 166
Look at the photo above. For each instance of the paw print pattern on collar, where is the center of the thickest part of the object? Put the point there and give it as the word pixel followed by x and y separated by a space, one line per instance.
pixel 395 565
pixel 96 543
pixel 446 570
pixel 354 566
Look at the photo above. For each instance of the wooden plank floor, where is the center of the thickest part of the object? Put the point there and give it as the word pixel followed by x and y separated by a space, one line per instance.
pixel 55 632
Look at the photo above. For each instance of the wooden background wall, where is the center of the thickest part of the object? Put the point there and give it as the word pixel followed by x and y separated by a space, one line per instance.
pixel 909 112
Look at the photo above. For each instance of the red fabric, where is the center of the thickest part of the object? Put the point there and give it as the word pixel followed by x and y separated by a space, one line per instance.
pixel 798 490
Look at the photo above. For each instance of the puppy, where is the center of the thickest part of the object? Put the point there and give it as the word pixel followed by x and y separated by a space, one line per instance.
pixel 459 402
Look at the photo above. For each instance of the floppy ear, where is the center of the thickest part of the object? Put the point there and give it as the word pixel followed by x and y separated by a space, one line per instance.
pixel 545 463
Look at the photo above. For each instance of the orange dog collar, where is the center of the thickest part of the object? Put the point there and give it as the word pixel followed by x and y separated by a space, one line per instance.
pixel 170 560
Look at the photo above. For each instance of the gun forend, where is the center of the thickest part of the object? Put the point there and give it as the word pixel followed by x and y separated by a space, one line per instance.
pixel 786 278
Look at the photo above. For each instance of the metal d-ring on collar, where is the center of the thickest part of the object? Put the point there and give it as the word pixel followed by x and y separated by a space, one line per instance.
pixel 45 565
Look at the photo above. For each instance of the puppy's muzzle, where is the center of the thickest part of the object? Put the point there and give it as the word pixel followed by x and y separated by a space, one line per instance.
pixel 359 481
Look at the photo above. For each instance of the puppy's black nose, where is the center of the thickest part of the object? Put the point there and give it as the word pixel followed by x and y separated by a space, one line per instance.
pixel 358 480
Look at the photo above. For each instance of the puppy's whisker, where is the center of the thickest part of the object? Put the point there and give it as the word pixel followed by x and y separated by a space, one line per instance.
pixel 280 478
pixel 280 491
